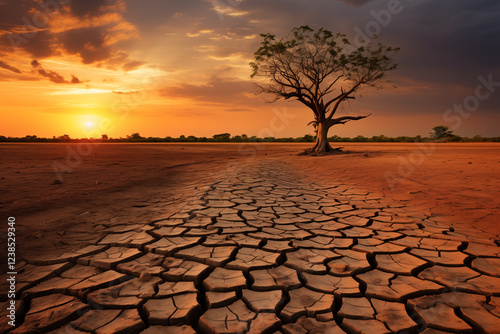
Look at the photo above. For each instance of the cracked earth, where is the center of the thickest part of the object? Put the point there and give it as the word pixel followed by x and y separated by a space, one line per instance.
pixel 263 250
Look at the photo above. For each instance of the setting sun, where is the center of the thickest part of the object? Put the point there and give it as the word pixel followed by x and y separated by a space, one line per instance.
pixel 89 125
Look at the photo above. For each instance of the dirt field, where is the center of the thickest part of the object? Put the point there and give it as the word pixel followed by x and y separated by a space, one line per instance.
pixel 458 182
pixel 113 183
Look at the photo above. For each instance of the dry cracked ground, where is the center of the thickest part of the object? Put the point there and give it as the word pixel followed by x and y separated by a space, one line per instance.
pixel 263 250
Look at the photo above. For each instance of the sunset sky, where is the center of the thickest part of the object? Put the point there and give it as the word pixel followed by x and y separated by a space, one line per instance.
pixel 167 68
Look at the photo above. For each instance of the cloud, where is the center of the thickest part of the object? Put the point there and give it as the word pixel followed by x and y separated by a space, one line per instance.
pixel 53 76
pixel 8 67
pixel 440 41
pixel 39 45
pixel 125 93
pixel 199 33
pixel 356 3
pixel 88 43
pixel 228 9
pixel 447 42
pixel 80 91
pixel 90 7
pixel 87 28
pixel 75 80
pixel 130 66
pixel 217 90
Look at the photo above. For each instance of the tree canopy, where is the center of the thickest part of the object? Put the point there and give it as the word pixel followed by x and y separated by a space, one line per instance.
pixel 441 132
pixel 321 70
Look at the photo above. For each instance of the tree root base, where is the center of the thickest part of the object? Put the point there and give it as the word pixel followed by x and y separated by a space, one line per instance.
pixel 313 152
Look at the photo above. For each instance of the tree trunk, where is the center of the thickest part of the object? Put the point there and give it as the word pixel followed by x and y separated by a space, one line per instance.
pixel 322 146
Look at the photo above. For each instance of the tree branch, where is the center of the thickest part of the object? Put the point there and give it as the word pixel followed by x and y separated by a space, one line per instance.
pixel 345 119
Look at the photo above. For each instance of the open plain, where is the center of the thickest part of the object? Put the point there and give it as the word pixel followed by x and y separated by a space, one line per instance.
pixel 237 238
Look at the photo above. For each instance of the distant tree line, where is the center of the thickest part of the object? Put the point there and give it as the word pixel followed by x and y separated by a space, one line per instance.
pixel 440 134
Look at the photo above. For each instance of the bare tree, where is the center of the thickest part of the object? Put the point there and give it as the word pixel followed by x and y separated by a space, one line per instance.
pixel 321 70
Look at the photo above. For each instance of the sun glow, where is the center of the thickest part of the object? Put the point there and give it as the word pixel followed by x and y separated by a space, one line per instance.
pixel 89 125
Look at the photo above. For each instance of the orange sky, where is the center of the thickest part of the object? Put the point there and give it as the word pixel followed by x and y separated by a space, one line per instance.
pixel 165 68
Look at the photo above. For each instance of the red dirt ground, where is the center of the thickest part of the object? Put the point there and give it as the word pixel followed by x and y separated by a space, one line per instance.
pixel 455 182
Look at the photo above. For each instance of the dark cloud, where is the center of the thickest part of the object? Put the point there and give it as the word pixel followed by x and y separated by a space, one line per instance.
pixel 75 80
pixel 18 31
pixel 447 41
pixel 53 76
pixel 8 67
pixel 356 3
pixel 12 12
pixel 88 43
pixel 90 30
pixel 41 45
pixel 87 7
pixel 23 25
pixel 441 41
